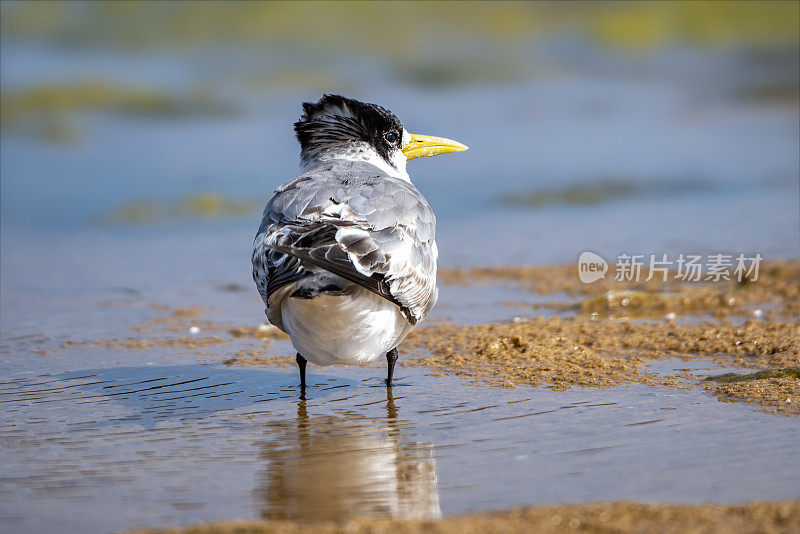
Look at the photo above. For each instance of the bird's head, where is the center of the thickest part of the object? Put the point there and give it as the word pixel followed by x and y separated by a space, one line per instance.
pixel 336 127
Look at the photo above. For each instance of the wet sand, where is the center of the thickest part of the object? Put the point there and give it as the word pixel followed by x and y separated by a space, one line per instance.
pixel 618 517
pixel 608 329
pixel 584 351
pixel 774 395
pixel 776 291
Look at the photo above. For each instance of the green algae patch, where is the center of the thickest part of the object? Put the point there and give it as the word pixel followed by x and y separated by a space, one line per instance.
pixel 192 207
pixel 343 26
pixel 604 191
pixel 46 111
pixel 788 372
pixel 587 195
pixel 99 95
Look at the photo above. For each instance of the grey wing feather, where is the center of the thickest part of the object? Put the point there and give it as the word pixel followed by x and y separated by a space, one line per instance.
pixel 355 222
pixel 341 267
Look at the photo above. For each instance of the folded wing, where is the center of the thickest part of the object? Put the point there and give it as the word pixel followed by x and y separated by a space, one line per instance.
pixel 357 223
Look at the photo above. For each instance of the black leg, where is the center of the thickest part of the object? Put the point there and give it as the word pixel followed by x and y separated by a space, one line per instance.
pixel 391 357
pixel 301 363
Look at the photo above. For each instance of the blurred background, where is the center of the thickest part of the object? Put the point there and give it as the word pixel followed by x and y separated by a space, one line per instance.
pixel 140 140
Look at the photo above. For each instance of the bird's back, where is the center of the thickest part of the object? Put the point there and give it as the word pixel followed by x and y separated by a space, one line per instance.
pixel 349 221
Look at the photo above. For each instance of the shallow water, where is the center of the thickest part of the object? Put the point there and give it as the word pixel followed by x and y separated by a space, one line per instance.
pixel 98 449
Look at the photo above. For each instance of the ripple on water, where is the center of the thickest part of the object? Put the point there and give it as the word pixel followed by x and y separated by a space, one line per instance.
pixel 177 444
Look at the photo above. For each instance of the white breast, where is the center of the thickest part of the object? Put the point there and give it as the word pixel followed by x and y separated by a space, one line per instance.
pixel 356 327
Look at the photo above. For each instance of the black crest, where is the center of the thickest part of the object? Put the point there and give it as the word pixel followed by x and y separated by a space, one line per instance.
pixel 335 122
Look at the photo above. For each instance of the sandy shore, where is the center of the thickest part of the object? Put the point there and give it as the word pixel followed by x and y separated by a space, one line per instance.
pixel 603 333
pixel 776 290
pixel 618 517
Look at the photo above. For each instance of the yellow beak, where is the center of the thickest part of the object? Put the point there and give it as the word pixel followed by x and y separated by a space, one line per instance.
pixel 422 146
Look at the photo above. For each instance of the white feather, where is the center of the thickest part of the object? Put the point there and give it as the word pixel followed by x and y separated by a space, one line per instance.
pixel 364 152
pixel 356 327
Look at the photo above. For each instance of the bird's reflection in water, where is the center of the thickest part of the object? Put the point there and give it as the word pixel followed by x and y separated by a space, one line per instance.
pixel 334 468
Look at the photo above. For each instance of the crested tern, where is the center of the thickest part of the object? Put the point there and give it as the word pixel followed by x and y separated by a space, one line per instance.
pixel 345 257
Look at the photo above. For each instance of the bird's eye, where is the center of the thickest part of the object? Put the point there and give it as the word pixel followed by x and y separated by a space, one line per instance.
pixel 390 137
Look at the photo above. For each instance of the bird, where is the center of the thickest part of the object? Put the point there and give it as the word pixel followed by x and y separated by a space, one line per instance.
pixel 345 256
